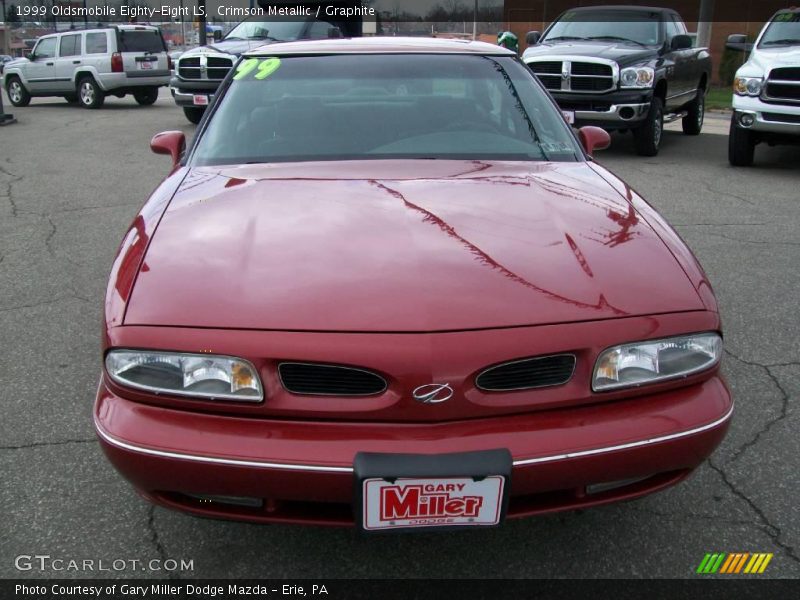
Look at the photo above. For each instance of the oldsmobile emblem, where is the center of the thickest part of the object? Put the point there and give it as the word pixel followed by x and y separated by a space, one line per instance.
pixel 433 393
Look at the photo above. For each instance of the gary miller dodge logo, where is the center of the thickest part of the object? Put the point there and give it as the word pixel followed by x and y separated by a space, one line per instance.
pixel 431 500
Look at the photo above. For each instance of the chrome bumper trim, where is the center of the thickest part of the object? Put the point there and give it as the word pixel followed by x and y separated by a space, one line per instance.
pixel 326 469
pixel 612 114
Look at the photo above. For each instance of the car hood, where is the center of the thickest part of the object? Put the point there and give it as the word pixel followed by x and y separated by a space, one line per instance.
pixel 398 245
pixel 764 60
pixel 235 47
pixel 619 52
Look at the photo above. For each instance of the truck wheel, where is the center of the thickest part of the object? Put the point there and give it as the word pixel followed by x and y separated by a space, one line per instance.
pixel 647 137
pixel 193 113
pixel 89 93
pixel 741 145
pixel 147 96
pixel 693 122
pixel 17 93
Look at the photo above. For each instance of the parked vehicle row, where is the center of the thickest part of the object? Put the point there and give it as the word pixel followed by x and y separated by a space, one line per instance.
pixel 621 68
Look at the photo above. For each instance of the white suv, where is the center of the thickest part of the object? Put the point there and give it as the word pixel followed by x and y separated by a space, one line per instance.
pixel 766 90
pixel 86 66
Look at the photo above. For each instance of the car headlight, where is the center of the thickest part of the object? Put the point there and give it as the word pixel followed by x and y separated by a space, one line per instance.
pixel 748 86
pixel 631 365
pixel 637 77
pixel 196 375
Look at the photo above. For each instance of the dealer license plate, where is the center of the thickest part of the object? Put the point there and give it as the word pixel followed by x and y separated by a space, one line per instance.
pixel 569 116
pixel 432 502
pixel 200 100
pixel 145 64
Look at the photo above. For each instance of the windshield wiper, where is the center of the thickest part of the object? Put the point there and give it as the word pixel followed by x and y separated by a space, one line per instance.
pixel 265 37
pixel 615 37
pixel 780 42
pixel 233 37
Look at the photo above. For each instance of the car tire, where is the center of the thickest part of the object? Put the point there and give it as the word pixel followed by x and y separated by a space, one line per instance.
pixel 741 145
pixel 647 137
pixel 17 94
pixel 147 96
pixel 89 93
pixel 71 98
pixel 193 113
pixel 692 123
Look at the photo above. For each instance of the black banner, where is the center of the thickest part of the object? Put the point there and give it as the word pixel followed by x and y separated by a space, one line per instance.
pixel 337 589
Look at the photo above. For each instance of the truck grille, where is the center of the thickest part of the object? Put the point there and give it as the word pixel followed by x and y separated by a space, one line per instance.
pixel 329 380
pixel 568 76
pixel 528 373
pixel 783 85
pixel 204 67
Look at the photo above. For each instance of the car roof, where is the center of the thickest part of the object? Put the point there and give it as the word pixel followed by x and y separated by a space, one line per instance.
pixel 381 45
pixel 626 7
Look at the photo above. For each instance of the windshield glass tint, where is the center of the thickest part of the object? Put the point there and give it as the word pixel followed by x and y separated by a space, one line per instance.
pixel 642 27
pixel 258 29
pixel 141 41
pixel 784 30
pixel 385 106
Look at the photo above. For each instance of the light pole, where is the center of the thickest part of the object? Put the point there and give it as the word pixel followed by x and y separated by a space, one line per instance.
pixel 475 22
pixel 5 32
pixel 704 22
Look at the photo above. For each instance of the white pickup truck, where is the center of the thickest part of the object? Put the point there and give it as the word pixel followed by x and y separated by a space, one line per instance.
pixel 766 89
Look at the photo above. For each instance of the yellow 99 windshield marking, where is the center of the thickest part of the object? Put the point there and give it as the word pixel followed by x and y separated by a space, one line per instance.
pixel 265 68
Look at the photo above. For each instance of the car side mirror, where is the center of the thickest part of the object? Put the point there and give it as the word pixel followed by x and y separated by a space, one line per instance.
pixel 169 142
pixel 532 38
pixel 334 33
pixel 738 41
pixel 31 57
pixel 217 35
pixel 593 138
pixel 681 42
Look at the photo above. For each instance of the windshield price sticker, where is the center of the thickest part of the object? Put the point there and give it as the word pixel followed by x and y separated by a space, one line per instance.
pixel 261 68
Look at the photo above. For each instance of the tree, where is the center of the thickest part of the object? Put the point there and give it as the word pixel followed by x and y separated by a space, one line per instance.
pixel 11 15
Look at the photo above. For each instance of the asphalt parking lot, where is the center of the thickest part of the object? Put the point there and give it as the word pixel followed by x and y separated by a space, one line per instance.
pixel 71 181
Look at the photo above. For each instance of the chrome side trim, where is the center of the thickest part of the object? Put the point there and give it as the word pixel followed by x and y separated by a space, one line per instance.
pixel 324 469
pixel 656 440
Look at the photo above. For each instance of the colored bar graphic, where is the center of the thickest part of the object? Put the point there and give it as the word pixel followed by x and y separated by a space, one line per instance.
pixel 733 563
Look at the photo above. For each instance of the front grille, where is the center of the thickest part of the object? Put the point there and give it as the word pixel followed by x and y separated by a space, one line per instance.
pixel 582 76
pixel 207 67
pixel 579 68
pixel 782 91
pixel 780 117
pixel 786 73
pixel 528 373
pixel 329 380
pixel 553 67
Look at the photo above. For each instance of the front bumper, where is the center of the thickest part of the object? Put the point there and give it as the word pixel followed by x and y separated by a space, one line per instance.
pixel 184 91
pixel 302 471
pixel 769 117
pixel 616 110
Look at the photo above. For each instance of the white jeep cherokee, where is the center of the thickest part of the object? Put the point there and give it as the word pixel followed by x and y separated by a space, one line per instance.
pixel 87 65
pixel 766 89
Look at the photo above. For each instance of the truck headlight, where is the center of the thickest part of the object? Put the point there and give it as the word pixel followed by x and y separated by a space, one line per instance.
pixel 197 375
pixel 637 77
pixel 639 363
pixel 748 86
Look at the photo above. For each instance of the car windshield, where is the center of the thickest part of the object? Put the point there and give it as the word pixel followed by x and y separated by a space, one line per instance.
pixel 635 26
pixel 258 29
pixel 344 107
pixel 784 30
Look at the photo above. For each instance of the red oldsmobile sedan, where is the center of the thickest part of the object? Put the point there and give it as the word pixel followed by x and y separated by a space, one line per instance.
pixel 386 286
